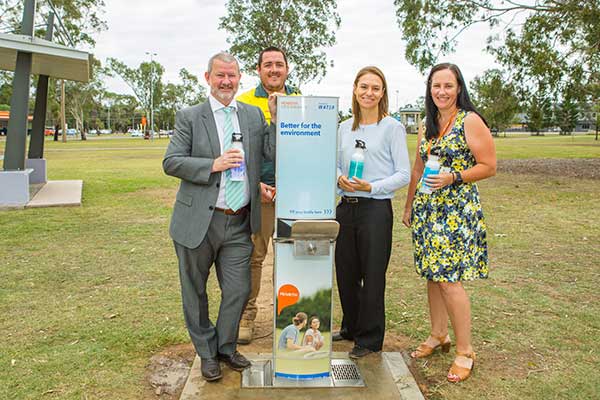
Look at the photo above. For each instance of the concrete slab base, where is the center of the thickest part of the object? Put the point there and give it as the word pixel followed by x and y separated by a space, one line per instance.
pixel 58 194
pixel 39 174
pixel 385 374
pixel 14 188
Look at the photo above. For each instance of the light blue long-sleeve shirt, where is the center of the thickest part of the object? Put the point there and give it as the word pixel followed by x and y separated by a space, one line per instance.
pixel 387 167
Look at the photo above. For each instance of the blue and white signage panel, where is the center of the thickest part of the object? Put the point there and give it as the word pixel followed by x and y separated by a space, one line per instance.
pixel 306 157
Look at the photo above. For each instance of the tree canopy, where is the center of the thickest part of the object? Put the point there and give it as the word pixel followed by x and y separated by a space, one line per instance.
pixel 302 28
pixel 495 99
pixel 145 81
pixel 546 45
pixel 80 18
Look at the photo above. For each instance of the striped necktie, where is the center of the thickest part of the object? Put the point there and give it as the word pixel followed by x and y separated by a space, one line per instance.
pixel 234 190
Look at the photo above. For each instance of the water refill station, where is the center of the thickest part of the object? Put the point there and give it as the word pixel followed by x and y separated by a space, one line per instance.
pixel 304 241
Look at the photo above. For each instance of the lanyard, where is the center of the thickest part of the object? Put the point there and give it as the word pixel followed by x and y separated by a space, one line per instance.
pixel 442 131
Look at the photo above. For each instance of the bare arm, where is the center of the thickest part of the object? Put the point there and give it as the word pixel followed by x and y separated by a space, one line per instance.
pixel 293 346
pixel 417 172
pixel 481 144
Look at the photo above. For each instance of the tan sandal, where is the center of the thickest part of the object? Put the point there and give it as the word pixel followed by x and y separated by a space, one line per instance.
pixel 458 373
pixel 425 350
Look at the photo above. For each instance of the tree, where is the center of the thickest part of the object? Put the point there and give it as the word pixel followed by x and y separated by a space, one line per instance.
pixel 495 98
pixel 567 113
pixel 533 46
pixel 123 109
pixel 81 19
pixel 177 96
pixel 300 28
pixel 539 112
pixel 141 81
pixel 5 87
pixel 82 99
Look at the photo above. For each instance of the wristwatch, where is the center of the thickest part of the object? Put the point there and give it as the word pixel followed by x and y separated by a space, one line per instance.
pixel 458 178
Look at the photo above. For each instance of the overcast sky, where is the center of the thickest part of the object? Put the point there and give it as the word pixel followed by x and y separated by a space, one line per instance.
pixel 184 34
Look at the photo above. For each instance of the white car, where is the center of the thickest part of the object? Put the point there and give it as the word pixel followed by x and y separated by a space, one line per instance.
pixel 70 132
pixel 136 133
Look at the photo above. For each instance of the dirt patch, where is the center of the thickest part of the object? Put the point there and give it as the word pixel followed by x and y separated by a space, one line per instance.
pixel 168 371
pixel 587 168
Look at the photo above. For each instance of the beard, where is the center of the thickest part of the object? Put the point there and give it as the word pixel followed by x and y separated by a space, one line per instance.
pixel 223 97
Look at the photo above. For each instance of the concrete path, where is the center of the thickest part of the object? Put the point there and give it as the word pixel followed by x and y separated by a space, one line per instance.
pixel 386 377
pixel 58 194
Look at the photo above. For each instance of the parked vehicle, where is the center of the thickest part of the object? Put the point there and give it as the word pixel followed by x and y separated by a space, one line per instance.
pixel 136 133
pixel 70 132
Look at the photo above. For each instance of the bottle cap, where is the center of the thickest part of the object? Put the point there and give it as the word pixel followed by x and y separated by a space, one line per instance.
pixel 360 144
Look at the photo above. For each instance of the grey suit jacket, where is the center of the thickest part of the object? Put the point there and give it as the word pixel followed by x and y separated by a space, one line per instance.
pixel 190 155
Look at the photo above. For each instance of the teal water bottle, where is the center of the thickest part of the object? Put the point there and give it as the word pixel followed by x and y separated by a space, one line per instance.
pixel 357 161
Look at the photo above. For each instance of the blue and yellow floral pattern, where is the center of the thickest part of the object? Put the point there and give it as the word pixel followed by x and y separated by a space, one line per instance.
pixel 449 232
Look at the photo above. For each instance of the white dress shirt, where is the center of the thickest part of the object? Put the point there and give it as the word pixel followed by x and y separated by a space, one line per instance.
pixel 218 112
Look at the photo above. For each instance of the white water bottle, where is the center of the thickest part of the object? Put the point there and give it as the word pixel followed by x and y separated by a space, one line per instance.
pixel 238 173
pixel 357 161
pixel 432 167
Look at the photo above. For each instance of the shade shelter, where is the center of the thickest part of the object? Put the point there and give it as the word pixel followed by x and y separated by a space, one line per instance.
pixel 26 54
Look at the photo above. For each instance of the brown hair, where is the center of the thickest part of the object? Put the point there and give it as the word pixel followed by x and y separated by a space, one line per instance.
pixel 271 49
pixel 299 318
pixel 383 103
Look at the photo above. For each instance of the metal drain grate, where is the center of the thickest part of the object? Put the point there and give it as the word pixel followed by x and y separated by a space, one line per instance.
pixel 345 373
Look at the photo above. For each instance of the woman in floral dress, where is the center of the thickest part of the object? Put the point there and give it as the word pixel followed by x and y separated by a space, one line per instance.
pixel 449 232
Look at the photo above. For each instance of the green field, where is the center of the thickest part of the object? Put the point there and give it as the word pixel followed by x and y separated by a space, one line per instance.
pixel 89 294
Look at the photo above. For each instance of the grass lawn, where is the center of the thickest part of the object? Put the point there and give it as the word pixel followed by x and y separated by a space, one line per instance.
pixel 88 294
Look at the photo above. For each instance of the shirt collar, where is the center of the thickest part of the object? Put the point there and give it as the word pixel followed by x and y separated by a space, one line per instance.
pixel 261 92
pixel 216 105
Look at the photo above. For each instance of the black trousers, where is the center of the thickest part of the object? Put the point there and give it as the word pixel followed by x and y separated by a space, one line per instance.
pixel 362 253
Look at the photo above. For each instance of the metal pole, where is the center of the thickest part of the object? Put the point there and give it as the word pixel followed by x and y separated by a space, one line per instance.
pixel 151 54
pixel 36 140
pixel 16 138
pixel 62 111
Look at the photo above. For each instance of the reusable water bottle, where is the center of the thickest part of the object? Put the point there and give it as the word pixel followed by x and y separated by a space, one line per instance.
pixel 357 161
pixel 432 167
pixel 238 173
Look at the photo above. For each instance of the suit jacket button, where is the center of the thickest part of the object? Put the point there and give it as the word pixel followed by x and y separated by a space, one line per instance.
pixel 211 208
pixel 218 184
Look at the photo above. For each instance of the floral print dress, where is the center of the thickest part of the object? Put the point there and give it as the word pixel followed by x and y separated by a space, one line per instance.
pixel 449 232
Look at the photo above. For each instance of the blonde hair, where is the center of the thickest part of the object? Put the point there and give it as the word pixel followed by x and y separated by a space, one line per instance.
pixel 383 103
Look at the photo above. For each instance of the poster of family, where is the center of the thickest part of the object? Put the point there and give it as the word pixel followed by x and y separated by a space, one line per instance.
pixel 302 343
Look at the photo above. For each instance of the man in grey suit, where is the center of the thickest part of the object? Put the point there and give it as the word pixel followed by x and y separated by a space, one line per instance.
pixel 213 215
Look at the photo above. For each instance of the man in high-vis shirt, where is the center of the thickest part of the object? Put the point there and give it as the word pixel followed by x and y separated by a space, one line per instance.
pixel 273 71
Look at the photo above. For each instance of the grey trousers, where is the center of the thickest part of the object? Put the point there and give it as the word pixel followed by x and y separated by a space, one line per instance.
pixel 227 245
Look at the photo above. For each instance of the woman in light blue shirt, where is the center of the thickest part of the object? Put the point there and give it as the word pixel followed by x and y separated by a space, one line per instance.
pixel 365 211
